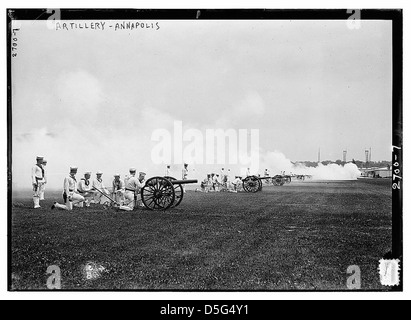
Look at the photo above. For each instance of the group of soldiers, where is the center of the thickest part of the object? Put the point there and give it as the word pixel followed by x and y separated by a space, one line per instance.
pixel 86 191
pixel 215 182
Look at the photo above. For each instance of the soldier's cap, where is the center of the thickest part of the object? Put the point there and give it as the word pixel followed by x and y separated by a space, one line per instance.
pixel 99 173
pixel 39 158
pixel 117 175
pixel 133 170
pixel 87 172
pixel 185 164
pixel 142 173
pixel 73 169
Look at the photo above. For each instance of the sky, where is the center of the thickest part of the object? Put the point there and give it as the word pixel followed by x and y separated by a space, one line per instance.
pixel 93 98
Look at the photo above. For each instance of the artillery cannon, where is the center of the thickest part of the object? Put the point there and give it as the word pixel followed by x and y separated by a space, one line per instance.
pixel 162 193
pixel 253 184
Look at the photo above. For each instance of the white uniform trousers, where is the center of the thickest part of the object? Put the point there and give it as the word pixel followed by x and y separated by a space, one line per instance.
pixel 76 200
pixel 42 189
pixel 99 198
pixel 36 194
pixel 129 202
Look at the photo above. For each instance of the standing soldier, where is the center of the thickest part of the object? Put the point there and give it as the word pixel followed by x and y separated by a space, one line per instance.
pixel 43 185
pixel 185 175
pixel 222 173
pixel 217 183
pixel 37 180
pixel 142 183
pixel 99 186
pixel 168 171
pixel 70 195
pixel 131 187
pixel 228 180
pixel 248 174
pixel 118 189
pixel 85 188
pixel 267 175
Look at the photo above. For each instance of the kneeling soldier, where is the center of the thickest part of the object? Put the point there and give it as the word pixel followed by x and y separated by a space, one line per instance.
pixel 70 195
pixel 84 188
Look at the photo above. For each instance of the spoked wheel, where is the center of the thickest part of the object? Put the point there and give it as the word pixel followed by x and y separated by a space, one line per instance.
pixel 252 184
pixel 158 194
pixel 288 179
pixel 261 185
pixel 179 192
pixel 278 181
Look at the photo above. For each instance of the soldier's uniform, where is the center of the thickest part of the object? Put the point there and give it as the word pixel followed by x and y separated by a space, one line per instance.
pixel 85 188
pixel 267 175
pixel 237 184
pixel 37 180
pixel 118 189
pixel 98 184
pixel 133 186
pixel 248 173
pixel 184 175
pixel 43 185
pixel 70 195
pixel 217 183
pixel 168 171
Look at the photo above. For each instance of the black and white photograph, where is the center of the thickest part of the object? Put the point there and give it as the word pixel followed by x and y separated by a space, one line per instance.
pixel 205 150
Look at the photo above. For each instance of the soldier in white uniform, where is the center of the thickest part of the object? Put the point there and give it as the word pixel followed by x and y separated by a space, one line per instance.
pixel 237 184
pixel 168 171
pixel 217 183
pixel 37 180
pixel 98 184
pixel 132 187
pixel 184 175
pixel 70 195
pixel 248 172
pixel 85 188
pixel 43 185
pixel 118 189
pixel 267 175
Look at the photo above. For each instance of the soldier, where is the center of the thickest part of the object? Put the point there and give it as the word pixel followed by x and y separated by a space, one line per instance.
pixel 43 185
pixel 85 188
pixel 37 180
pixel 70 195
pixel 97 184
pixel 217 182
pixel 204 185
pixel 132 186
pixel 237 183
pixel 118 189
pixel 228 180
pixel 248 172
pixel 185 175
pixel 168 171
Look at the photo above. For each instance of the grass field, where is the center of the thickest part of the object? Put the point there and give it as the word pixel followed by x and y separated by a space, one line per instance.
pixel 301 236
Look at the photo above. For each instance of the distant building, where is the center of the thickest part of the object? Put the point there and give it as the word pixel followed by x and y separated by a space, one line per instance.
pixel 376 173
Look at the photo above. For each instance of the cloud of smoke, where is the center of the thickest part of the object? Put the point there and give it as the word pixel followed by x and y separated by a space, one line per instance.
pixel 277 162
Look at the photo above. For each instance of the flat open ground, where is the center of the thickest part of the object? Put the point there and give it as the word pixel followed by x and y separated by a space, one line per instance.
pixel 301 236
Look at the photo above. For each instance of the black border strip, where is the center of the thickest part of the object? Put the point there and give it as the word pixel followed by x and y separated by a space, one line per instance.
pixel 395 15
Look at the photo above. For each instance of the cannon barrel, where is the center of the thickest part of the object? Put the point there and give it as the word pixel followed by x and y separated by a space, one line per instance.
pixel 174 182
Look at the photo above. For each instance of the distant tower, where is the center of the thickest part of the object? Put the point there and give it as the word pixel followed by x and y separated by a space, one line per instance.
pixel 370 155
pixel 345 156
pixel 367 157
